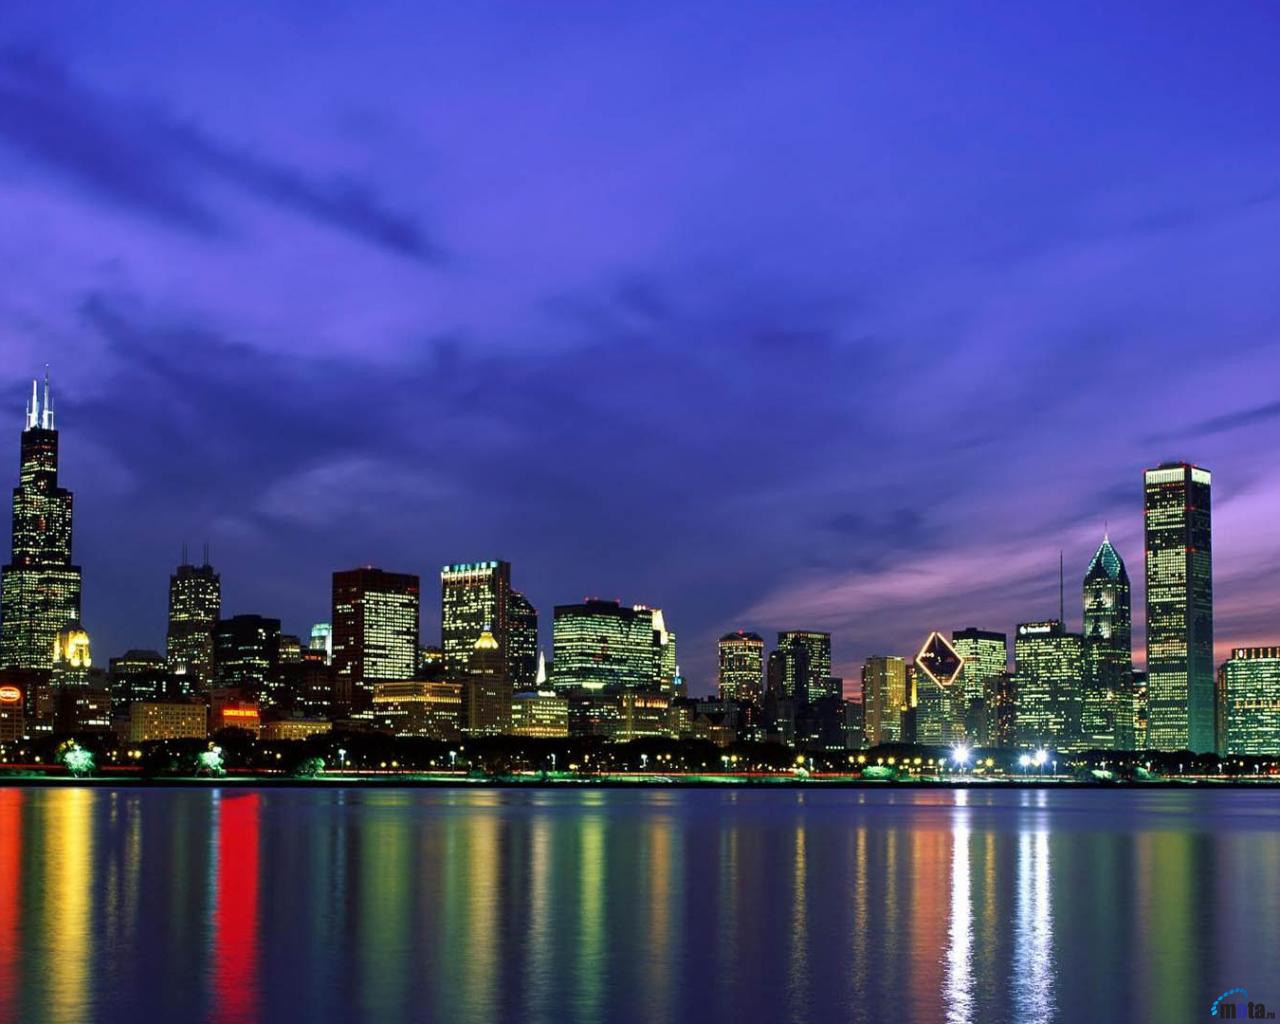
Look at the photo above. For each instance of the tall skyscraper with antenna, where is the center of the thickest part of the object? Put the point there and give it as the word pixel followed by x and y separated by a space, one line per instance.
pixel 195 603
pixel 40 592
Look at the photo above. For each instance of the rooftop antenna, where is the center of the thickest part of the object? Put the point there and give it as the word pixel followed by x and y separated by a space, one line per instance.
pixel 184 552
pixel 46 419
pixel 206 554
pixel 33 410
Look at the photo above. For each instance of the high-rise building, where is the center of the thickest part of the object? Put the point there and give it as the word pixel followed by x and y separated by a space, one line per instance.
pixel 1106 713
pixel 322 640
pixel 666 670
pixel 1249 701
pixel 806 661
pixel 522 642
pixel 604 645
pixel 137 675
pixel 1048 683
pixel 884 694
pixel 195 603
pixel 375 631
pixel 40 591
pixel 475 597
pixel 741 666
pixel 1000 710
pixel 986 656
pixel 1179 608
pixel 486 692
pixel 939 692
pixel 246 654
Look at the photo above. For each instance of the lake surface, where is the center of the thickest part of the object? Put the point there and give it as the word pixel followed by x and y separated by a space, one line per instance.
pixel 667 905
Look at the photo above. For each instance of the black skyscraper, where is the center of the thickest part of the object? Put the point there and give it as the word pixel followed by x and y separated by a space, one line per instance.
pixel 41 588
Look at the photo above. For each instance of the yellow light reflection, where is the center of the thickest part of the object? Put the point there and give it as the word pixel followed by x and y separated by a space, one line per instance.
pixel 69 913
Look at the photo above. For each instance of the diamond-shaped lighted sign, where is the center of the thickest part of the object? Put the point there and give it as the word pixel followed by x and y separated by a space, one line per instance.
pixel 939 660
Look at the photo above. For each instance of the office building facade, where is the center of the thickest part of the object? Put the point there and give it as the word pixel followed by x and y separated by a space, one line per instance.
pixel 607 646
pixel 884 694
pixel 195 605
pixel 1179 563
pixel 375 630
pixel 1249 702
pixel 806 664
pixel 1048 685
pixel 986 656
pixel 741 661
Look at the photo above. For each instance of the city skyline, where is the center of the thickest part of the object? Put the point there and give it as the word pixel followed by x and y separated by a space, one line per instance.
pixel 662 338
pixel 481 595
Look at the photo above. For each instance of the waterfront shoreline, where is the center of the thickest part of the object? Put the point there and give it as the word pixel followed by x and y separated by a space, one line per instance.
pixel 699 782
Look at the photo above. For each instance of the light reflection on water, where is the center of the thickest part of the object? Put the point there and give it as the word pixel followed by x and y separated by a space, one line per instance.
pixel 634 905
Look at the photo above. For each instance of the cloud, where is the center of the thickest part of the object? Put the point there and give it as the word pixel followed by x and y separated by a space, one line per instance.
pixel 1224 422
pixel 144 159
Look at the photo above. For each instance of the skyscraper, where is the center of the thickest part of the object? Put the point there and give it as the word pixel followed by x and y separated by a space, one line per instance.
pixel 246 654
pixel 939 692
pixel 486 692
pixel 195 603
pixel 741 657
pixel 375 630
pixel 604 645
pixel 522 642
pixel 1047 686
pixel 40 592
pixel 884 694
pixel 1106 713
pixel 1179 608
pixel 475 597
pixel 806 664
pixel 986 656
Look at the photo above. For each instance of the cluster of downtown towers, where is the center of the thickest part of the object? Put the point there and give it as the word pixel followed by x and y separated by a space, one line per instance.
pixel 613 662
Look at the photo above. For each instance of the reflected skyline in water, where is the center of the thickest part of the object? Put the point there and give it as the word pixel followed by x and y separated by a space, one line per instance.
pixel 645 905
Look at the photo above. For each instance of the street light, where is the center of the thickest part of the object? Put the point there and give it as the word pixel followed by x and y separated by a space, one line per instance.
pixel 960 755
pixel 1040 757
pixel 1024 761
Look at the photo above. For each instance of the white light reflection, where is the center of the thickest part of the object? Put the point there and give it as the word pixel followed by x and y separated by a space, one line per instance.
pixel 1033 952
pixel 959 990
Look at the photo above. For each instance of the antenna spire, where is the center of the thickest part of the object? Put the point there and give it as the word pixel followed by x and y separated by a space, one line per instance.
pixel 33 407
pixel 46 417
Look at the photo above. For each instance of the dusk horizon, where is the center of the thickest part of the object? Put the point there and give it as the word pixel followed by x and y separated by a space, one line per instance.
pixel 1038 597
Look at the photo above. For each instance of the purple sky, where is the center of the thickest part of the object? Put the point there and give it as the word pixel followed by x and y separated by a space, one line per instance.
pixel 775 316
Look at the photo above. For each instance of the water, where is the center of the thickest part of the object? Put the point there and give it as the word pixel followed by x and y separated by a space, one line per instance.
pixel 635 905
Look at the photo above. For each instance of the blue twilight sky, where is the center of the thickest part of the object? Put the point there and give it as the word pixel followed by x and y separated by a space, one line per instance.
pixel 843 316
